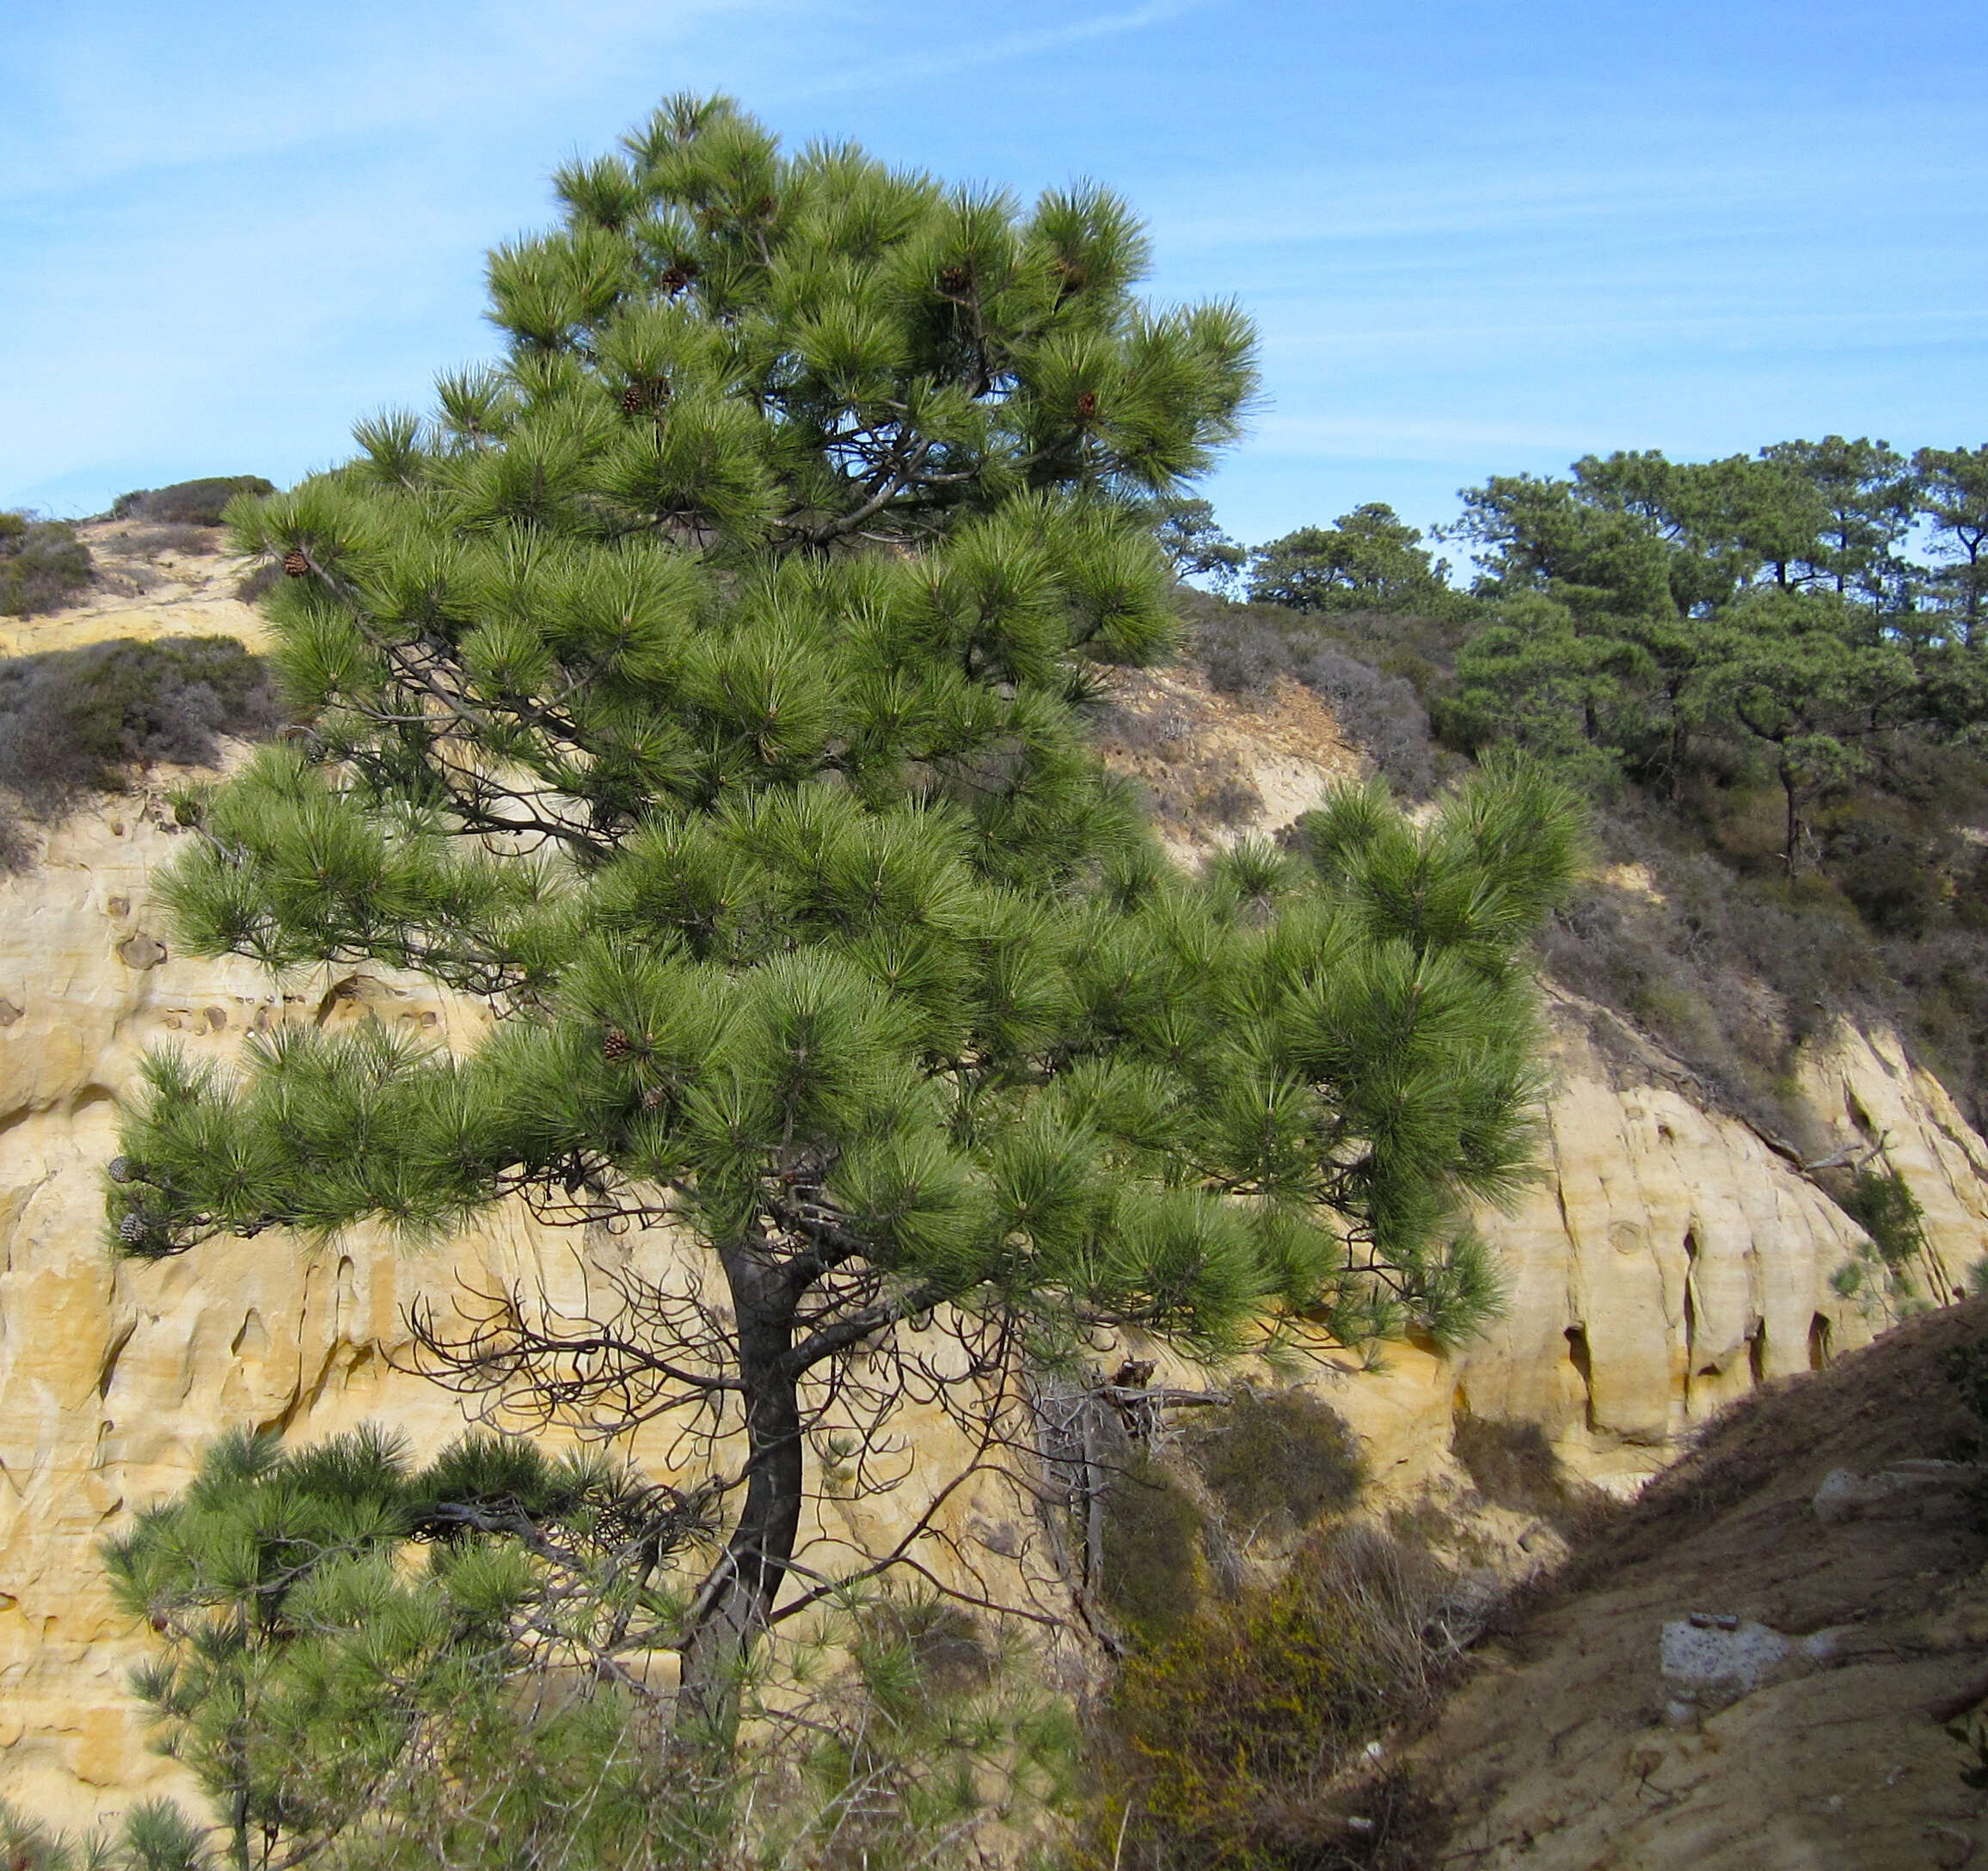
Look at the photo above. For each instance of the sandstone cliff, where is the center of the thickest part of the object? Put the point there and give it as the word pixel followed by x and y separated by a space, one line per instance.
pixel 1668 1259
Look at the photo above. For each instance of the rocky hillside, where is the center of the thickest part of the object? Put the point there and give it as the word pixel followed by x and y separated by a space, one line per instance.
pixel 1755 1666
pixel 1673 1255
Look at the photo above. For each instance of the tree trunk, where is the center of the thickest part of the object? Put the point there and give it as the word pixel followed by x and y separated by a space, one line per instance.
pixel 1792 833
pixel 733 1610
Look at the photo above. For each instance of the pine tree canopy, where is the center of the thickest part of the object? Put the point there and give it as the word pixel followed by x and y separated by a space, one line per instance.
pixel 705 687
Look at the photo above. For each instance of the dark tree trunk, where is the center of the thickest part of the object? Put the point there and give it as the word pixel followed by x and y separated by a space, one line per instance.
pixel 733 1610
pixel 1792 832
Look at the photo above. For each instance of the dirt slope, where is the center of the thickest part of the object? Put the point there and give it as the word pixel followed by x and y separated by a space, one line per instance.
pixel 152 582
pixel 1569 1750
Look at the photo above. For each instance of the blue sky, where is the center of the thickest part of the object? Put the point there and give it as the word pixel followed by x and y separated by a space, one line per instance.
pixel 1478 237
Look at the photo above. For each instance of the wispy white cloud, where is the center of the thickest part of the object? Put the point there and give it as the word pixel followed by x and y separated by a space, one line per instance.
pixel 971 50
pixel 1433 438
pixel 111 94
pixel 1474 237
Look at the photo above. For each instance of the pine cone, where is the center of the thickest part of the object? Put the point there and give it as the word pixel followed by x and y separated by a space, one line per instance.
pixel 653 1098
pixel 123 1169
pixel 954 279
pixel 132 1228
pixel 295 565
pixel 677 277
pixel 615 1045
pixel 1086 405
pixel 633 400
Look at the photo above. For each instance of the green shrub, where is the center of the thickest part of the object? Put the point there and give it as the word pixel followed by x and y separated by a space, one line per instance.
pixel 1881 1203
pixel 1216 1747
pixel 189 503
pixel 1154 1557
pixel 74 721
pixel 43 565
pixel 1277 1460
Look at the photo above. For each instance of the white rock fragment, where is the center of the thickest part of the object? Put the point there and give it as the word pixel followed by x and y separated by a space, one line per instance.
pixel 1712 1666
pixel 1902 1489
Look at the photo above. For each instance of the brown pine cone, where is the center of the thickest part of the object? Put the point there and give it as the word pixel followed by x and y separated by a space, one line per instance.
pixel 615 1045
pixel 295 565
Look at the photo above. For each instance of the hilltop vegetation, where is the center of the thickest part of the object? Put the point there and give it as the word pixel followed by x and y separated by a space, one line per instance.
pixel 1778 709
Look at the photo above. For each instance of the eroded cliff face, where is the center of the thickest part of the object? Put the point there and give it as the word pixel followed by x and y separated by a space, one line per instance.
pixel 1667 1259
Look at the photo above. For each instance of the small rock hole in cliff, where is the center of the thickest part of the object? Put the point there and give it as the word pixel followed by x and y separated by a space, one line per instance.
pixel 1583 1363
pixel 1819 1333
pixel 1690 1311
pixel 251 1340
pixel 107 1372
pixel 1757 1353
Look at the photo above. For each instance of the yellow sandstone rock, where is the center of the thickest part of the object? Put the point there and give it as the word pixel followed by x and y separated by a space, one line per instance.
pixel 1667 1259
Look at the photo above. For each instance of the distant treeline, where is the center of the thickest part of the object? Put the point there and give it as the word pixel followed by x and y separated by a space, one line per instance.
pixel 1643 619
pixel 1775 664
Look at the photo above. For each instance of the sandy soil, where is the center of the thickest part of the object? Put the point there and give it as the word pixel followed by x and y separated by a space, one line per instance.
pixel 152 582
pixel 1559 1754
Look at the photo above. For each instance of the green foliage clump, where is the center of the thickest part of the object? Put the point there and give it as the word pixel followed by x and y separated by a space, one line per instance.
pixel 1367 560
pixel 372 1665
pixel 333 1619
pixel 1155 1549
pixel 1881 1203
pixel 188 503
pixel 43 565
pixel 74 721
pixel 153 1836
pixel 1276 1461
pixel 1218 1742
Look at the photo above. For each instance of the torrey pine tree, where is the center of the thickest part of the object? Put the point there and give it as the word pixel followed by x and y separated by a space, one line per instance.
pixel 705 687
